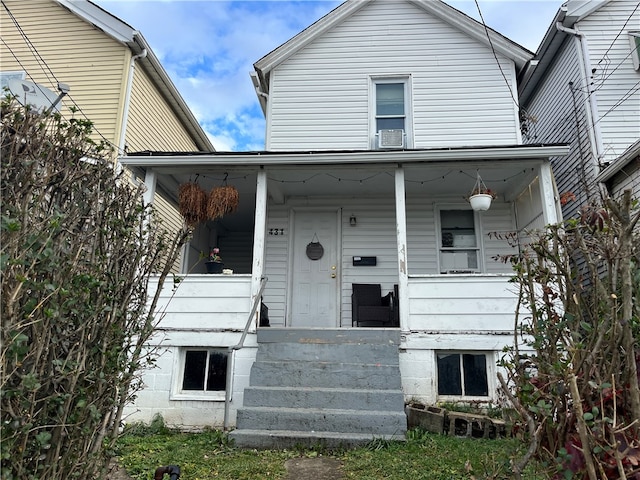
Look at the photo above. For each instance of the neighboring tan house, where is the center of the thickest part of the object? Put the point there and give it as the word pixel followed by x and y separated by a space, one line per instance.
pixel 380 116
pixel 116 80
pixel 583 88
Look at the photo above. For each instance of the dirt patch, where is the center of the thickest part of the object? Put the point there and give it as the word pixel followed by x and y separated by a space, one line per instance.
pixel 320 468
pixel 116 472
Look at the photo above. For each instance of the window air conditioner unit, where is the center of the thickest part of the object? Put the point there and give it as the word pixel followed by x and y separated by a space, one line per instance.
pixel 391 138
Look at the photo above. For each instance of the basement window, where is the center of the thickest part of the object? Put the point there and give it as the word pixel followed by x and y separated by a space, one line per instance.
pixel 462 374
pixel 203 373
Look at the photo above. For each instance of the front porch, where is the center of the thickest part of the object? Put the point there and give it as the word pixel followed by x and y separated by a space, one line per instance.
pixel 395 219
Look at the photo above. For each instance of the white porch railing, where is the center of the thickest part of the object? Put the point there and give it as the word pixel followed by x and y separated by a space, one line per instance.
pixel 461 303
pixel 202 302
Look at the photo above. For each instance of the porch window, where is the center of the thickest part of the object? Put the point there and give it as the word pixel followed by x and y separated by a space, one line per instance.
pixel 462 374
pixel 390 107
pixel 205 370
pixel 458 242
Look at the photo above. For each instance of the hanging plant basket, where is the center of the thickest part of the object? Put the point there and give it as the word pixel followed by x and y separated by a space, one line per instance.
pixel 480 202
pixel 222 201
pixel 481 196
pixel 192 203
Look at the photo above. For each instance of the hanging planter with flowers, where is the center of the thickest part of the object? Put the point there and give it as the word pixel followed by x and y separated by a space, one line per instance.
pixel 481 196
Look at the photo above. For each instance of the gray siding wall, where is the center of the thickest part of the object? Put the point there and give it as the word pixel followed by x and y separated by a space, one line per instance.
pixel 320 96
pixel 375 235
pixel 560 119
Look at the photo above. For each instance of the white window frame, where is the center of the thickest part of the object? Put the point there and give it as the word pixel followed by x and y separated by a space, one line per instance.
pixel 479 248
pixel 489 362
pixel 408 103
pixel 634 40
pixel 177 393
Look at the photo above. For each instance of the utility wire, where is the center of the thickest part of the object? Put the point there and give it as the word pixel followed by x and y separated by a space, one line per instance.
pixel 495 55
pixel 619 33
pixel 40 60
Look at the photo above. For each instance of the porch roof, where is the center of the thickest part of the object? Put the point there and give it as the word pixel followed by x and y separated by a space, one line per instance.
pixel 440 172
pixel 183 161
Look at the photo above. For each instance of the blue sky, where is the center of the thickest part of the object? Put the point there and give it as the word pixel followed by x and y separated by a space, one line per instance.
pixel 208 48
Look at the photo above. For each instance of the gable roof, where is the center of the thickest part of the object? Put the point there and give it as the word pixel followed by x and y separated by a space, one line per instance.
pixel 438 8
pixel 125 34
pixel 567 16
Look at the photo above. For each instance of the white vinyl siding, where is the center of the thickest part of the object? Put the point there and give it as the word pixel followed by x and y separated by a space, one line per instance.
pixel 375 235
pixel 319 96
pixel 615 78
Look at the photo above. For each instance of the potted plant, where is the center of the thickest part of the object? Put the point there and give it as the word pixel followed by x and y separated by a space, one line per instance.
pixel 481 196
pixel 214 264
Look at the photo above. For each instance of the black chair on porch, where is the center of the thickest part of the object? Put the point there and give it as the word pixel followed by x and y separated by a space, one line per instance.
pixel 369 308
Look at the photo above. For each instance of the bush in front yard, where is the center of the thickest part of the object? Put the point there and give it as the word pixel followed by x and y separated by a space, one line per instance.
pixel 77 251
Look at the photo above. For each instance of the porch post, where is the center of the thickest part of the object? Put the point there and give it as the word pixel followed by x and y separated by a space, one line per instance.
pixel 401 232
pixel 257 270
pixel 548 193
pixel 150 183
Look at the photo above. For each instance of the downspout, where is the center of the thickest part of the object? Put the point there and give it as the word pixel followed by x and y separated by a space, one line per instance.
pixel 127 99
pixel 595 136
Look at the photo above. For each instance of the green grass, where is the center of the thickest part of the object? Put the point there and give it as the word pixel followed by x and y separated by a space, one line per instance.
pixel 210 455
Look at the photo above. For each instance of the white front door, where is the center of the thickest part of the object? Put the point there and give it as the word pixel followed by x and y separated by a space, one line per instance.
pixel 314 301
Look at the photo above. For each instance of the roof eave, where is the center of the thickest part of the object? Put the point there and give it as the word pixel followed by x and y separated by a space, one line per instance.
pixel 132 39
pixel 619 163
pixel 502 45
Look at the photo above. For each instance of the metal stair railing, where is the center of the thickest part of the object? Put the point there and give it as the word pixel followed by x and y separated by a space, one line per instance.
pixel 234 348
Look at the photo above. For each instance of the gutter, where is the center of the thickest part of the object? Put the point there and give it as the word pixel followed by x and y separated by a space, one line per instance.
pixel 186 162
pixel 127 99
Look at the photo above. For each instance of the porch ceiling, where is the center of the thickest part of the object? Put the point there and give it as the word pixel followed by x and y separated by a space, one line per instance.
pixel 371 174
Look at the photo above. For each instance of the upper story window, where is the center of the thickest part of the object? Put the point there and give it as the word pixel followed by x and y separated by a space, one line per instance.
pixel 459 250
pixel 390 108
pixel 634 38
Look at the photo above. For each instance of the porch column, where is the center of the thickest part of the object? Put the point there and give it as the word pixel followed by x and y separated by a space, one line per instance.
pixel 548 194
pixel 401 233
pixel 257 270
pixel 149 182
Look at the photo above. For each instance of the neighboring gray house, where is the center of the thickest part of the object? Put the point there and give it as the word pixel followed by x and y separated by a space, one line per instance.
pixel 380 116
pixel 583 88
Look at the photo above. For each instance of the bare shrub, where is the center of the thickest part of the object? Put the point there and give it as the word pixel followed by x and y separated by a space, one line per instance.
pixel 78 249
pixel 573 375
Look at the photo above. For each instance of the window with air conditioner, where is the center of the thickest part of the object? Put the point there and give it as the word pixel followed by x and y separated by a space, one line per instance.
pixel 390 104
pixel 458 245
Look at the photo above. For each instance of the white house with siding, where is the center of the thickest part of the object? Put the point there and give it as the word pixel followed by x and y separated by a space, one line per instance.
pixel 583 88
pixel 380 117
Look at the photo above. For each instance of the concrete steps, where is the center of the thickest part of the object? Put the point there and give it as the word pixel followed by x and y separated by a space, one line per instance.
pixel 336 388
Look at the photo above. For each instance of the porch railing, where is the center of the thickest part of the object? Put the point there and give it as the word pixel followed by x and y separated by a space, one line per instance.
pixel 238 346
